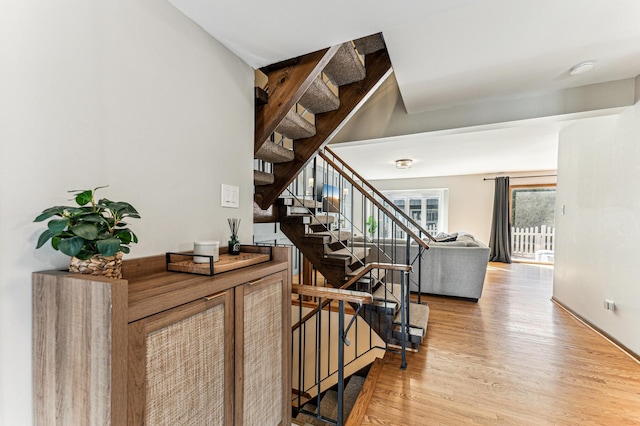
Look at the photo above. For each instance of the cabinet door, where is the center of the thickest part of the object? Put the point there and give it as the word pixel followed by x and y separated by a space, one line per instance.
pixel 263 333
pixel 181 365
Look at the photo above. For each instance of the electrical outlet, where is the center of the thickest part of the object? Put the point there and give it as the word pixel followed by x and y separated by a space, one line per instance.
pixel 609 305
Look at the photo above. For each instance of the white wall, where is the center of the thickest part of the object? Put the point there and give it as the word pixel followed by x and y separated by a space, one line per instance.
pixel 129 94
pixel 597 238
pixel 384 114
pixel 470 197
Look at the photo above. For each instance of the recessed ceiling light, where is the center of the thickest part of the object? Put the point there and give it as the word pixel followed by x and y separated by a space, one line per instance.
pixel 582 67
pixel 405 163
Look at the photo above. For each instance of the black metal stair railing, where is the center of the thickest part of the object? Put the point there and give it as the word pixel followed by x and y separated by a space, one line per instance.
pixel 321 356
pixel 329 189
pixel 351 204
pixel 323 364
pixel 391 224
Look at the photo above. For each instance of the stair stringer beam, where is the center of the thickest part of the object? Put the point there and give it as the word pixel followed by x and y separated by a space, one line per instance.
pixel 334 270
pixel 352 96
pixel 286 87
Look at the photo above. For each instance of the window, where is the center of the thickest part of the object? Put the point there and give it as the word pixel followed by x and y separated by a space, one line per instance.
pixel 428 207
pixel 533 222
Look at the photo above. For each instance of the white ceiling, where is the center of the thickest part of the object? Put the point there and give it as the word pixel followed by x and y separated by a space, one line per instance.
pixel 448 53
pixel 533 147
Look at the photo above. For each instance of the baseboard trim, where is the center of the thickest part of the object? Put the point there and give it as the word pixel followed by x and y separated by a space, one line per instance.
pixel 631 354
pixel 362 402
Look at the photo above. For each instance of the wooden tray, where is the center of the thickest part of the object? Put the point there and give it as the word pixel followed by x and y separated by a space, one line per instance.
pixel 183 262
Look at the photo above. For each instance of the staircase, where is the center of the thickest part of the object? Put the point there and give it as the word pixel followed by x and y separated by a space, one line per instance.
pixel 306 101
pixel 338 259
pixel 300 83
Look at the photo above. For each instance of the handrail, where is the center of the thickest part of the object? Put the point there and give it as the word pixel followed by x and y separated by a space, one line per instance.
pixel 378 193
pixel 374 265
pixel 404 227
pixel 351 296
pixel 341 296
pixel 369 267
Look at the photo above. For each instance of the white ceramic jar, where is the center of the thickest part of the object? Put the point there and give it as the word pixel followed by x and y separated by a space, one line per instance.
pixel 206 248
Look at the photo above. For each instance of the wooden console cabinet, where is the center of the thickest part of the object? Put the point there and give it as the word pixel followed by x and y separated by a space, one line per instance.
pixel 163 347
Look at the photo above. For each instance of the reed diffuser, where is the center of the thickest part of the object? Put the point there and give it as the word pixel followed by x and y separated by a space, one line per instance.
pixel 234 242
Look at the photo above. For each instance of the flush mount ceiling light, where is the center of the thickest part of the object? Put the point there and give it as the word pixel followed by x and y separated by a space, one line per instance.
pixel 405 163
pixel 582 67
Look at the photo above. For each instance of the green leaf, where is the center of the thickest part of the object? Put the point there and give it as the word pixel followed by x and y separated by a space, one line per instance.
pixel 123 235
pixel 50 212
pixel 85 254
pixel 44 237
pixel 57 225
pixel 109 247
pixel 85 230
pixel 55 242
pixel 73 211
pixel 84 197
pixel 71 246
pixel 123 209
pixel 125 249
pixel 94 217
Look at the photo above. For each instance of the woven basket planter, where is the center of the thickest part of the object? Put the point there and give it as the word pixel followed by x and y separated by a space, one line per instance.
pixel 109 267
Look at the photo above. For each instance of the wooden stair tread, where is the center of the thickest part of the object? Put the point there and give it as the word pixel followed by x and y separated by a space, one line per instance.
pixel 333 236
pixel 345 67
pixel 294 126
pixel 298 200
pixel 273 153
pixel 393 293
pixel 262 178
pixel 369 44
pixel 319 98
pixel 418 317
pixel 355 253
pixel 308 218
pixel 307 202
pixel 324 219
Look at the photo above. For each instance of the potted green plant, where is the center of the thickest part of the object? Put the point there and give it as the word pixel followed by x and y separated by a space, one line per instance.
pixel 92 233
pixel 372 225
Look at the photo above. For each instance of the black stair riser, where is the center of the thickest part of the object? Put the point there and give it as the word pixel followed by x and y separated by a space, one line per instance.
pixel 411 338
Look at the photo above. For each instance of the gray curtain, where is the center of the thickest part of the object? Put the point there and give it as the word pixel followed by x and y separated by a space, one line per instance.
pixel 500 241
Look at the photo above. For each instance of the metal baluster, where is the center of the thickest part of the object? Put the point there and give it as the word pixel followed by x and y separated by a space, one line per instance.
pixel 341 344
pixel 318 352
pixel 403 323
pixel 420 252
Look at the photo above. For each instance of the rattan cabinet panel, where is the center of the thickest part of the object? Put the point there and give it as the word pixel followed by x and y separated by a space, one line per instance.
pixel 263 311
pixel 181 365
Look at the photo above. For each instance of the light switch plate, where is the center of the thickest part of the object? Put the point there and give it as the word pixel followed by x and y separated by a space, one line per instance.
pixel 230 196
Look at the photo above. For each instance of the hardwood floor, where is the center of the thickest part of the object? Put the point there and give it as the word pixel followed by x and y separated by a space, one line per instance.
pixel 513 358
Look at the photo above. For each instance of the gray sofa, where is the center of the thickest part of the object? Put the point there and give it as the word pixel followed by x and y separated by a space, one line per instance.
pixel 451 268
